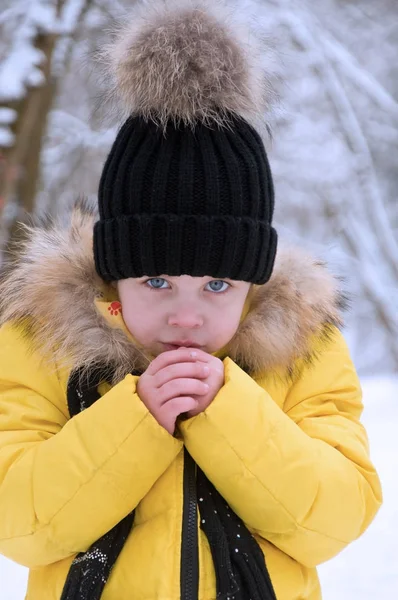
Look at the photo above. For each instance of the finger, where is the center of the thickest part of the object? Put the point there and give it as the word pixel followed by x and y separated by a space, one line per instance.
pixel 178 406
pixel 194 370
pixel 171 357
pixel 208 359
pixel 193 412
pixel 173 408
pixel 182 387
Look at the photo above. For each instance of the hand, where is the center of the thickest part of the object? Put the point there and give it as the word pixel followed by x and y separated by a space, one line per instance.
pixel 173 384
pixel 215 381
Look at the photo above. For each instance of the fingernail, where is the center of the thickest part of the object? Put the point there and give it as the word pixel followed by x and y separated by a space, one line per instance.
pixel 207 386
pixel 206 370
pixel 193 354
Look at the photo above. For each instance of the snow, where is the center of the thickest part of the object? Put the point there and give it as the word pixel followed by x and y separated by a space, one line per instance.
pixel 345 61
pixel 6 137
pixel 70 15
pixel 367 569
pixel 21 65
pixel 7 115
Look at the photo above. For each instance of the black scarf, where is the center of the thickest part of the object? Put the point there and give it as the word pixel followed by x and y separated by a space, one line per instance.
pixel 239 563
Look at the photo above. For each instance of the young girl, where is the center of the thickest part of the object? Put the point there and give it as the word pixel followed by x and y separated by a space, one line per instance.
pixel 179 413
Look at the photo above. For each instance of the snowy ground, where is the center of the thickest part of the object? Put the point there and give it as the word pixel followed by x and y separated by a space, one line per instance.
pixel 368 569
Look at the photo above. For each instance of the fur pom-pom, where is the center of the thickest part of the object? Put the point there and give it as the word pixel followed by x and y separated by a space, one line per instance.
pixel 188 61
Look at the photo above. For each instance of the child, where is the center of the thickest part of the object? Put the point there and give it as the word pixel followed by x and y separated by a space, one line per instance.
pixel 179 413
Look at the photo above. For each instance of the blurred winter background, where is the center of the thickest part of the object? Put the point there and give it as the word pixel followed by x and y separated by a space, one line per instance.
pixel 335 161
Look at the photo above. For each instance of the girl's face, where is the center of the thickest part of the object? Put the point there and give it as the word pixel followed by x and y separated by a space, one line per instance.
pixel 164 313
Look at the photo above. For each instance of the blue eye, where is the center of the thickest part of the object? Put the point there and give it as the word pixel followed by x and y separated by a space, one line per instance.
pixel 217 286
pixel 157 283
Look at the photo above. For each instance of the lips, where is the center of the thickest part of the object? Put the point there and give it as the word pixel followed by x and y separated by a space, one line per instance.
pixel 181 344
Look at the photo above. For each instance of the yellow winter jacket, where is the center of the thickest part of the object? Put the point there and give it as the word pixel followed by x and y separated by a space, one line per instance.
pixel 282 440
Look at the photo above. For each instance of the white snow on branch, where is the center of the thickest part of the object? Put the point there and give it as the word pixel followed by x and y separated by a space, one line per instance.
pixel 348 64
pixel 70 15
pixel 113 8
pixel 311 39
pixel 6 137
pixel 70 133
pixel 69 20
pixel 7 116
pixel 21 67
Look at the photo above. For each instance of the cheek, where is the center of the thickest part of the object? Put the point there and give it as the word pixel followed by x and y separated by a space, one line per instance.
pixel 139 320
pixel 225 327
pixel 232 322
pixel 128 316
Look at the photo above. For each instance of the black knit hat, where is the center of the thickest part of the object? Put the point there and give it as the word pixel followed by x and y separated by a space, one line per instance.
pixel 187 187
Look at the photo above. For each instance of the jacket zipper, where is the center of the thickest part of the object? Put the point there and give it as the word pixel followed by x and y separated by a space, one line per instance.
pixel 189 538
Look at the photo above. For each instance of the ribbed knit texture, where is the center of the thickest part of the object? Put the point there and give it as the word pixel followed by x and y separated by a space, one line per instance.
pixel 196 202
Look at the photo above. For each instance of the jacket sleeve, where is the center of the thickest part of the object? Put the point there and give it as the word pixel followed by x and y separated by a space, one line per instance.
pixel 300 477
pixel 65 482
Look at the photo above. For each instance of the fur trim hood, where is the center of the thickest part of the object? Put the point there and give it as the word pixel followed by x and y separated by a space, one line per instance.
pixel 51 287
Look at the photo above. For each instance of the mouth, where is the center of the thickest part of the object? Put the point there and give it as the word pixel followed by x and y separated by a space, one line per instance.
pixel 183 344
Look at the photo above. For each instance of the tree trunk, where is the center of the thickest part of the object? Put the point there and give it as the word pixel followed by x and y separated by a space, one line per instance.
pixel 16 183
pixel 20 176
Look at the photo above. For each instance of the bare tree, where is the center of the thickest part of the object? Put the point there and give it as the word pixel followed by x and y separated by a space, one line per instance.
pixel 29 98
pixel 359 216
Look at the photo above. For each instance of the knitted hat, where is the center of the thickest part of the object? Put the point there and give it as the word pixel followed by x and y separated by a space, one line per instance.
pixel 187 187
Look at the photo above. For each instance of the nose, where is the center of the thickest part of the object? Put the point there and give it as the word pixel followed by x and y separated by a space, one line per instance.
pixel 185 317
